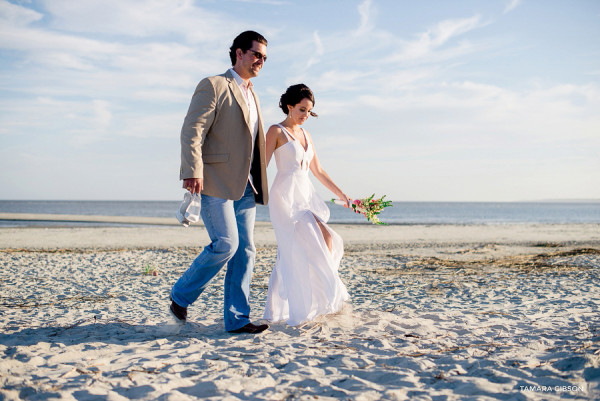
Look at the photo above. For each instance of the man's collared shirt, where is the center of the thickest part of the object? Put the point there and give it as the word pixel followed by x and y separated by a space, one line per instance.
pixel 246 89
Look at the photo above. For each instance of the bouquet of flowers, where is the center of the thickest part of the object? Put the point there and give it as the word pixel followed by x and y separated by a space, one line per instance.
pixel 368 207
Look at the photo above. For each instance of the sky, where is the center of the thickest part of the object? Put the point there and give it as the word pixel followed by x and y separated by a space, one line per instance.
pixel 465 100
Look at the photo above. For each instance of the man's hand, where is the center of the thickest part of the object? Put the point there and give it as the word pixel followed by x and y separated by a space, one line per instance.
pixel 194 185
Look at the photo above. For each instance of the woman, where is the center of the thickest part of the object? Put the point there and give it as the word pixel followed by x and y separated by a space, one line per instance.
pixel 304 282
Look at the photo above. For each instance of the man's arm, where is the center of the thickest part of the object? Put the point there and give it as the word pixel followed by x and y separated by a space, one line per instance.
pixel 196 125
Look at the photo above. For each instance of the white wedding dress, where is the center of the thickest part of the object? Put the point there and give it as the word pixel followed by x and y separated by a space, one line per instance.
pixel 304 282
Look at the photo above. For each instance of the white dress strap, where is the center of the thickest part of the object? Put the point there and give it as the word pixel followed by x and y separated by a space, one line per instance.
pixel 287 133
pixel 305 138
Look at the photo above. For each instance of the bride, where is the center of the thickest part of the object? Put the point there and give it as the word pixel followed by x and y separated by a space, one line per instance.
pixel 304 282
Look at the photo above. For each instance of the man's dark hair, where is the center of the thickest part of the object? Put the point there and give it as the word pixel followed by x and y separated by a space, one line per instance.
pixel 244 42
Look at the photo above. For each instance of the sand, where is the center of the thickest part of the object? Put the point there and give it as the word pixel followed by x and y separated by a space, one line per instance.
pixel 436 313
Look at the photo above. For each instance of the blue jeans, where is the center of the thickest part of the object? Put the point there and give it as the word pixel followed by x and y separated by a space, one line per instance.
pixel 230 225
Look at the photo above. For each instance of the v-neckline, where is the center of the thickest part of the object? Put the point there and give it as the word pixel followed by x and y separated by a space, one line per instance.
pixel 305 149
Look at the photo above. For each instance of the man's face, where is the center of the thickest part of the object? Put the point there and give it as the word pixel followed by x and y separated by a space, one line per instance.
pixel 248 64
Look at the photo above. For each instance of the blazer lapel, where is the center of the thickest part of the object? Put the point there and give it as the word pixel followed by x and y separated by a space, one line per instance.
pixel 239 97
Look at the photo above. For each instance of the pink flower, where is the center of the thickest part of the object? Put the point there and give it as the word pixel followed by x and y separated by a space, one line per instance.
pixel 369 207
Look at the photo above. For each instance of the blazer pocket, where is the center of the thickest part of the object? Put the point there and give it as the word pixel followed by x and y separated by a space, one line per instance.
pixel 216 158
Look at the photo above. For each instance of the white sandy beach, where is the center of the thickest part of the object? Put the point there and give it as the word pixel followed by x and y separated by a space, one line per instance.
pixel 497 312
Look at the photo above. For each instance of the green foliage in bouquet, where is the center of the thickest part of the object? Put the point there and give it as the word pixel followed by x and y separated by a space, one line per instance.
pixel 369 207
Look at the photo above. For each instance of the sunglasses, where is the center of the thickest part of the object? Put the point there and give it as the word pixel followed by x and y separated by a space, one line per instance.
pixel 259 55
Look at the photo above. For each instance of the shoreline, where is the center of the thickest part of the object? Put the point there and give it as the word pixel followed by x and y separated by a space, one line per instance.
pixel 441 241
pixel 80 218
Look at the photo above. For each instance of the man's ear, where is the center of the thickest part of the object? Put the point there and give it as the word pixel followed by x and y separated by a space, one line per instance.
pixel 238 53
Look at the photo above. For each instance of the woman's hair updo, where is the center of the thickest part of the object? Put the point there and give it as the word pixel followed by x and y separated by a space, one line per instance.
pixel 294 95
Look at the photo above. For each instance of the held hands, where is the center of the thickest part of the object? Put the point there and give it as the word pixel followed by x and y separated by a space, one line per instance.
pixel 194 185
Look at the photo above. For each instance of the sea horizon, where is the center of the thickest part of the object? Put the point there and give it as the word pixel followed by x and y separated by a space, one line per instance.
pixel 402 212
pixel 558 200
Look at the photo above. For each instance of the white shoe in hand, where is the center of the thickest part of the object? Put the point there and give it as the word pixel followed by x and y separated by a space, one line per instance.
pixel 192 212
pixel 189 210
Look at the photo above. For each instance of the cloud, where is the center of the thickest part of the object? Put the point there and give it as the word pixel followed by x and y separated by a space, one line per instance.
pixel 72 60
pixel 88 76
pixel 102 116
pixel 268 2
pixel 511 5
pixel 132 18
pixel 340 80
pixel 365 11
pixel 316 55
pixel 141 125
pixel 464 119
pixel 11 14
pixel 436 37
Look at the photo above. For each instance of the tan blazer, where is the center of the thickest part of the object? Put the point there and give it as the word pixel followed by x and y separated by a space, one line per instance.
pixel 216 141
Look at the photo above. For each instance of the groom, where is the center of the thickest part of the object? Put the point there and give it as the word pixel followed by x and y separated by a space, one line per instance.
pixel 223 158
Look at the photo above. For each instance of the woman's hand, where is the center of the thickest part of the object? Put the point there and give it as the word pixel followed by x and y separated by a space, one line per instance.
pixel 345 198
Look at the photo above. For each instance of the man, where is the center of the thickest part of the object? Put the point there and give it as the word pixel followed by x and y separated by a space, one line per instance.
pixel 223 159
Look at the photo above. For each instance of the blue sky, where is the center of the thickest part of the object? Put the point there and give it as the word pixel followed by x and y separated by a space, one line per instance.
pixel 495 100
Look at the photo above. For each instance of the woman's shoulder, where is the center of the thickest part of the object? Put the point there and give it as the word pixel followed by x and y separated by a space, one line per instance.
pixel 275 129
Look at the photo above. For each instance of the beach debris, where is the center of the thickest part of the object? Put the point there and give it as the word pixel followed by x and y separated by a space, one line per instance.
pixel 150 270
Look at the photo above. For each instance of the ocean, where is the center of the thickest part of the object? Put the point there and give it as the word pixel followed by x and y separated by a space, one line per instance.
pixel 408 213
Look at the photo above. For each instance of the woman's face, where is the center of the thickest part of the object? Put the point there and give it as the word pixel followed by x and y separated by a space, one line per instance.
pixel 300 112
